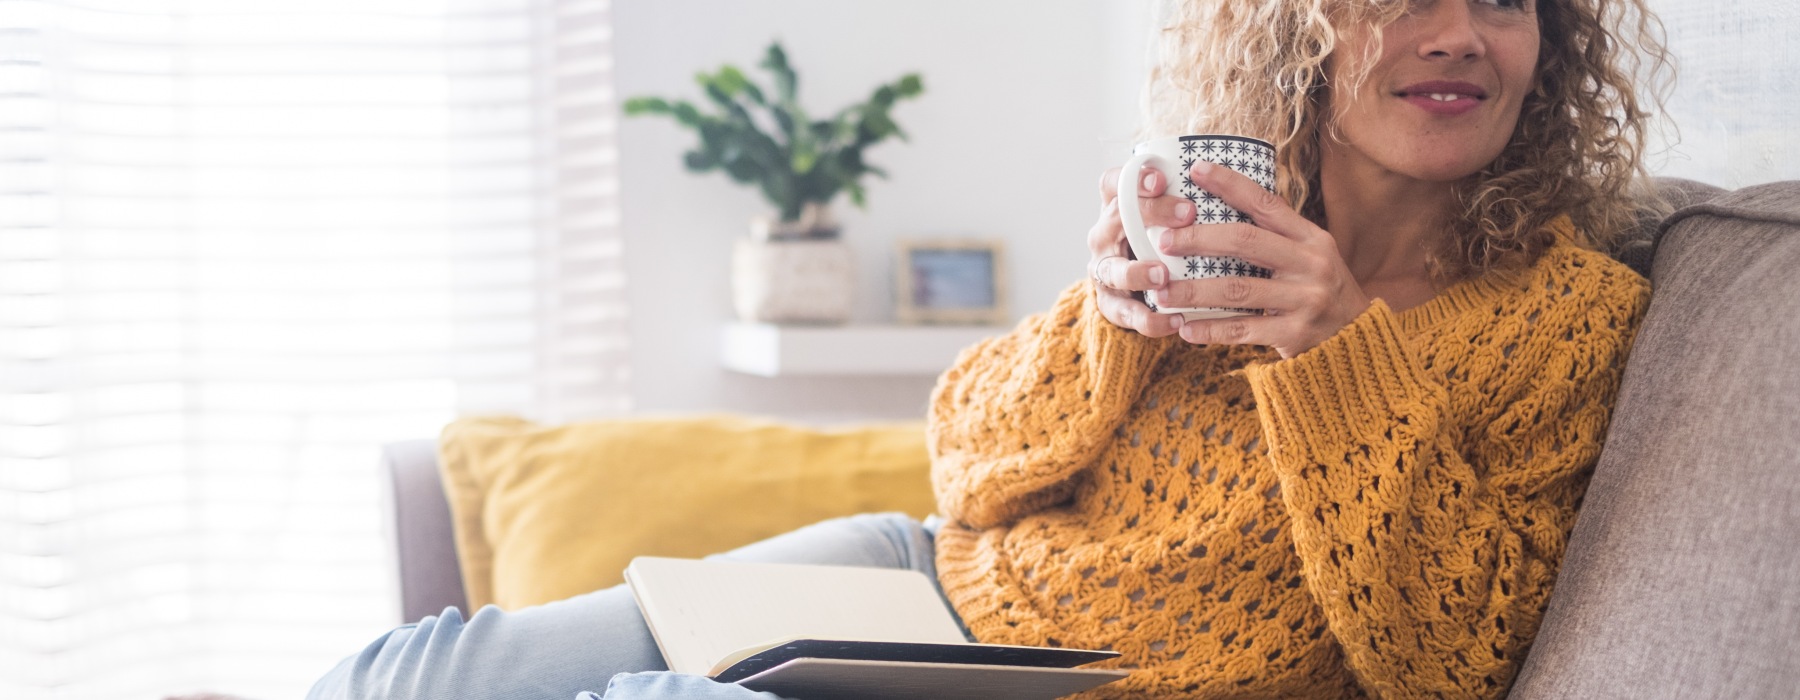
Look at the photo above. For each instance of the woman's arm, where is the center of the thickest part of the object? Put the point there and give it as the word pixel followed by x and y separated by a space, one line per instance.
pixel 1020 415
pixel 1434 567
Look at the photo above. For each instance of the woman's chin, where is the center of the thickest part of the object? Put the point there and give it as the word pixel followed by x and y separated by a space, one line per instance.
pixel 1446 172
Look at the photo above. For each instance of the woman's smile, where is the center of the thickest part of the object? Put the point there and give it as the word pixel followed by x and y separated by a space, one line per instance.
pixel 1444 97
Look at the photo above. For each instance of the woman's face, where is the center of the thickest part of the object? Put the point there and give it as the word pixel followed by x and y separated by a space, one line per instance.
pixel 1444 94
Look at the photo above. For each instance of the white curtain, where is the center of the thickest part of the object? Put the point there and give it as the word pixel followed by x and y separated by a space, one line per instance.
pixel 1737 91
pixel 242 244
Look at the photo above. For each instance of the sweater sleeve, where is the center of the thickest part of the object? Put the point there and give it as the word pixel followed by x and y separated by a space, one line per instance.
pixel 1016 419
pixel 1432 547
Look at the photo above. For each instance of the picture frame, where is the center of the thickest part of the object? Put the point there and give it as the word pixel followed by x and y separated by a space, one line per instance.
pixel 950 281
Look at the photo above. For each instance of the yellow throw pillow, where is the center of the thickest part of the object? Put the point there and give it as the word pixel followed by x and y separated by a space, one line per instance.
pixel 542 513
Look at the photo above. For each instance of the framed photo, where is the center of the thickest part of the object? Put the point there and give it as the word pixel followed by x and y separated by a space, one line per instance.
pixel 950 281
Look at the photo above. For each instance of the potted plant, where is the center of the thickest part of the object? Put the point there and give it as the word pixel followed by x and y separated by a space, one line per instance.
pixel 792 267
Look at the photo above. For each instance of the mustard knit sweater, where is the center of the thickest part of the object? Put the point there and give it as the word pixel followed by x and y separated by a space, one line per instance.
pixel 1382 515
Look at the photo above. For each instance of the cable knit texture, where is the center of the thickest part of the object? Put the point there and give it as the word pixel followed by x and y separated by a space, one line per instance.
pixel 1380 516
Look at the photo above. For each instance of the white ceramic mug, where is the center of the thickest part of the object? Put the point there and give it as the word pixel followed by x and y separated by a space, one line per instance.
pixel 1173 155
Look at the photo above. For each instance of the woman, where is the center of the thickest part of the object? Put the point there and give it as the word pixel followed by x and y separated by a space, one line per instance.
pixel 1366 491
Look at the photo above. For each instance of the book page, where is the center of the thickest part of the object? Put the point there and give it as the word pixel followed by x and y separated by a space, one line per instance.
pixel 700 611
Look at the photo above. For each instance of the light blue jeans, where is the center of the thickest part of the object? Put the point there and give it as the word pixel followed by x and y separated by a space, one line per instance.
pixel 559 650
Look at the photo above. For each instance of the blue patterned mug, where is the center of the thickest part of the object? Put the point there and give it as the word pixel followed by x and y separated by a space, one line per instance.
pixel 1173 156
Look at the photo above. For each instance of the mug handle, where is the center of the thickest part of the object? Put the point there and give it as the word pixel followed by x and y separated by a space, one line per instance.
pixel 1129 214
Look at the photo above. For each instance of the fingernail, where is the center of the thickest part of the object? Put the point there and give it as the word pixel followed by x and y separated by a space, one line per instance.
pixel 1176 322
pixel 1183 211
pixel 1165 239
pixel 1150 182
pixel 1156 276
pixel 1202 167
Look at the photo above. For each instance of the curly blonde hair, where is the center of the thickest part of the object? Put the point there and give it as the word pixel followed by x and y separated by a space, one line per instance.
pixel 1258 68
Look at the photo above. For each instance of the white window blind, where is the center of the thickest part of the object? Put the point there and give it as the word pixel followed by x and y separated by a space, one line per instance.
pixel 242 244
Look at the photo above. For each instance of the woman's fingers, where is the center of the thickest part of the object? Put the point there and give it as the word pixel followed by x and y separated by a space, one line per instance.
pixel 1109 186
pixel 1158 209
pixel 1243 194
pixel 1150 184
pixel 1233 293
pixel 1168 211
pixel 1235 330
pixel 1125 311
pixel 1121 273
pixel 1254 244
pixel 1107 237
pixel 1115 274
pixel 1111 265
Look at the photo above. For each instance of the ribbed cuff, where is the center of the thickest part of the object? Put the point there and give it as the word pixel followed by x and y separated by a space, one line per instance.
pixel 1345 392
pixel 1121 355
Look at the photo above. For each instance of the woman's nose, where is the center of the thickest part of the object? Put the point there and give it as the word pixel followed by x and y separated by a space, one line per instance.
pixel 1448 31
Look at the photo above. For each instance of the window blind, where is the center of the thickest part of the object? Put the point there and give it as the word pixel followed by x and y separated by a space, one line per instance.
pixel 242 244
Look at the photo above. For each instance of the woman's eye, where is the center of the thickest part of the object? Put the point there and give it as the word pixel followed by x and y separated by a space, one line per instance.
pixel 1505 4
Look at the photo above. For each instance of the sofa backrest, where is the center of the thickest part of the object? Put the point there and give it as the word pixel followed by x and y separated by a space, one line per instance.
pixel 1682 579
pixel 1637 247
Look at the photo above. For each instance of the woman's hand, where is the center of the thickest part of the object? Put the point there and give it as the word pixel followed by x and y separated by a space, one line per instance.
pixel 1308 298
pixel 1115 275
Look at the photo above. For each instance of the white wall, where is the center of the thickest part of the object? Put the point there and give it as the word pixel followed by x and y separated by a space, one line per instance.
pixel 1020 116
pixel 1735 91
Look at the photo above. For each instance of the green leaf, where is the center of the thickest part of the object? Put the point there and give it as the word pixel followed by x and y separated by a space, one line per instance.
pixel 786 83
pixel 785 120
pixel 782 194
pixel 803 161
pixel 728 84
pixel 686 114
pixel 883 97
pixel 743 170
pixel 910 86
pixel 700 161
pixel 877 125
pixel 646 105
pixel 730 80
pixel 719 96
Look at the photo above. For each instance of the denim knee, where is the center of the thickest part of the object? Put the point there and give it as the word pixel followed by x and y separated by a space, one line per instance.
pixel 911 543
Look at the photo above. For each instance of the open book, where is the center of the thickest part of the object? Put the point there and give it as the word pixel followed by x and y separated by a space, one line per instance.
pixel 823 632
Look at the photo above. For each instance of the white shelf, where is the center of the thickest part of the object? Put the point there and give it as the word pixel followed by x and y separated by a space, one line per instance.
pixel 781 351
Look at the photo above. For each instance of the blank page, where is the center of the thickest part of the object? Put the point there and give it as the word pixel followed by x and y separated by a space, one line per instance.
pixel 701 610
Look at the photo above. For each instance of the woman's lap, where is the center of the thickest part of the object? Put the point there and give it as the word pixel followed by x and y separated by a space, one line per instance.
pixel 559 649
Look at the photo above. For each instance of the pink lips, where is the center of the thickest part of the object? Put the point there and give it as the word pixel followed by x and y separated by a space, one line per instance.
pixel 1444 97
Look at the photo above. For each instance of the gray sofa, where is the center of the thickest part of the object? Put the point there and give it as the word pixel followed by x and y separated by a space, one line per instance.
pixel 1683 577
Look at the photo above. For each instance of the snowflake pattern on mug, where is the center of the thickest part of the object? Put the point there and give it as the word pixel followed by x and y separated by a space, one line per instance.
pixel 1255 160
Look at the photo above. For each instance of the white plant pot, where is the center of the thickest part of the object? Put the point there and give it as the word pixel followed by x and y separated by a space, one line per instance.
pixel 803 281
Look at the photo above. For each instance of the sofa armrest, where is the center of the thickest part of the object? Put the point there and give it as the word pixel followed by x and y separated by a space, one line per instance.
pixel 424 542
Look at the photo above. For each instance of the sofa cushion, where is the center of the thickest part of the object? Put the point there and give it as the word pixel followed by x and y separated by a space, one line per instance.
pixel 1682 578
pixel 541 513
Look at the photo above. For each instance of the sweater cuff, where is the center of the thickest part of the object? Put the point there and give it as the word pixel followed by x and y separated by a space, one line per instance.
pixel 1120 354
pixel 1347 391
